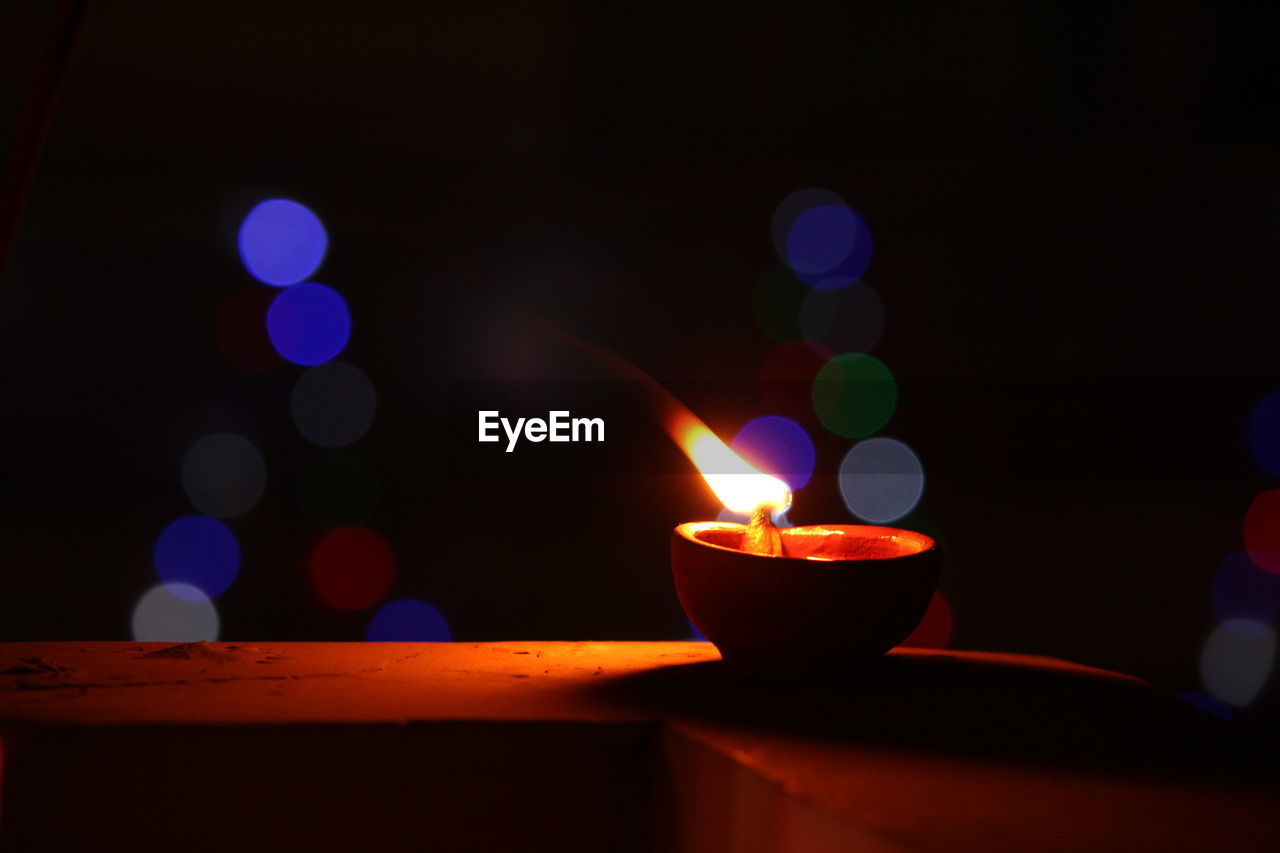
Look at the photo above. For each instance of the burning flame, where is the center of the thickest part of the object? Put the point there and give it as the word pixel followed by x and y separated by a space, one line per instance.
pixel 738 484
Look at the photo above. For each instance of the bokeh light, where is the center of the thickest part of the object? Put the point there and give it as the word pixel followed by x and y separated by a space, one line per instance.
pixel 175 613
pixel 408 620
pixel 776 301
pixel 848 320
pixel 881 480
pixel 829 247
pixel 1262 531
pixel 308 323
pixel 791 209
pixel 223 475
pixel 823 240
pixel 197 552
pixel 337 488
pixel 778 446
pixel 854 395
pixel 333 404
pixel 242 332
pixel 1236 660
pixel 282 242
pixel 786 380
pixel 1264 432
pixel 352 568
pixel 1243 591
pixel 934 630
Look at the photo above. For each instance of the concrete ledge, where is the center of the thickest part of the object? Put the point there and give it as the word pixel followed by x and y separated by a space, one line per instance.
pixel 603 746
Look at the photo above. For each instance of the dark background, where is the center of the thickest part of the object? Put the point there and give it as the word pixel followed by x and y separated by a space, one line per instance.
pixel 1075 209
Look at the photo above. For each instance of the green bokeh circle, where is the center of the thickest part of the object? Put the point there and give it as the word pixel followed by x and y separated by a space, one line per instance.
pixel 854 395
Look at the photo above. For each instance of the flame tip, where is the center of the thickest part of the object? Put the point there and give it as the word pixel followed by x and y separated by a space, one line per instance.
pixel 739 485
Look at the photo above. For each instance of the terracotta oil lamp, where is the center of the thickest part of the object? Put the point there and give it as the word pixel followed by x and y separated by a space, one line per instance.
pixel 820 602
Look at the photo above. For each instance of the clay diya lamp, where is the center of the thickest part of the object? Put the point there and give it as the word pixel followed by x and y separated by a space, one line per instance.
pixel 827 605
pixel 814 603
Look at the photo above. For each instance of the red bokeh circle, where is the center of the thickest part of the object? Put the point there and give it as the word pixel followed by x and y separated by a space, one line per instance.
pixel 1262 531
pixel 352 568
pixel 786 377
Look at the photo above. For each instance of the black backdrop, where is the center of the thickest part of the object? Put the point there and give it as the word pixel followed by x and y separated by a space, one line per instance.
pixel 1075 213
